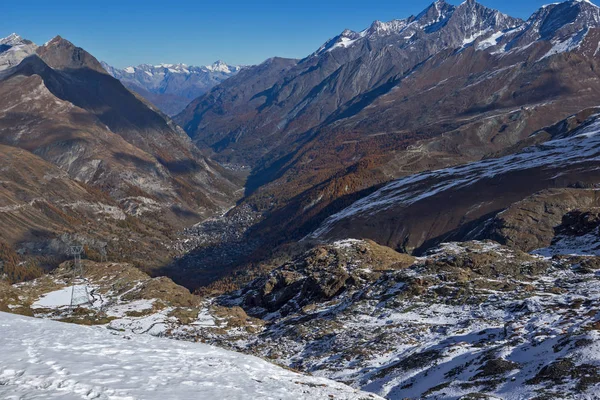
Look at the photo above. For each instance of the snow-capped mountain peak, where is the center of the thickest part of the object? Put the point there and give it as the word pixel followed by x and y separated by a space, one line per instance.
pixel 221 66
pixel 462 24
pixel 564 24
pixel 573 15
pixel 12 40
pixel 13 49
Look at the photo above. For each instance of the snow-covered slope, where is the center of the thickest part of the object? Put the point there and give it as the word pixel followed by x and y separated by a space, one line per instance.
pixel 43 359
pixel 571 158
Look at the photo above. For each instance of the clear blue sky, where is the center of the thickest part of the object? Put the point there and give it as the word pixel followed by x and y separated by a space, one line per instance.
pixel 131 32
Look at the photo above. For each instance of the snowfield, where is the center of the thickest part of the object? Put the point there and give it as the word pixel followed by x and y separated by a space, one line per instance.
pixel 43 359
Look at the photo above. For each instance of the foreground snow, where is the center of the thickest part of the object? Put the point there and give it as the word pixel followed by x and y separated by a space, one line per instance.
pixel 43 359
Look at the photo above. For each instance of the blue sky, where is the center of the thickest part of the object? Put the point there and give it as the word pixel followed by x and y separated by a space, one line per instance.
pixel 131 32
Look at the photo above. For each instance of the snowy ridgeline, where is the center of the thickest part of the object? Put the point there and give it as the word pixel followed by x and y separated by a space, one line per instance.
pixel 43 359
pixel 576 150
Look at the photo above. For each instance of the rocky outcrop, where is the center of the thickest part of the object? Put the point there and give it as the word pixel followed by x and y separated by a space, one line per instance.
pixel 533 222
pixel 319 275
pixel 579 222
pixel 463 321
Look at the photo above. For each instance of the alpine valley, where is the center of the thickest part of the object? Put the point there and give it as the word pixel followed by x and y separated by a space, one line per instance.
pixel 411 211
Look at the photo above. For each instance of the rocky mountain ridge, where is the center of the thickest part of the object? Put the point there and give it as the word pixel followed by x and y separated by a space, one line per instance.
pixel 564 160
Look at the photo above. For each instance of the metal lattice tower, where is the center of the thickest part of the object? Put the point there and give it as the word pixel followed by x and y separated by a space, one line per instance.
pixel 103 256
pixel 79 293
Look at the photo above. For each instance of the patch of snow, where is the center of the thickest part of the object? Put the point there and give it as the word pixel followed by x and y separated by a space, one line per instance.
pixel 490 41
pixel 346 243
pixel 567 45
pixel 205 319
pixel 585 245
pixel 473 37
pixel 58 298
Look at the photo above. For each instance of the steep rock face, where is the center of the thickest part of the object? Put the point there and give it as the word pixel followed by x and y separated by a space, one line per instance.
pixel 60 105
pixel 171 87
pixel 449 86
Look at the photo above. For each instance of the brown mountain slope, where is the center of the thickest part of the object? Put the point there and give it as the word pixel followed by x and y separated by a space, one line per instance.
pixel 272 106
pixel 43 210
pixel 60 105
pixel 422 125
pixel 421 210
pixel 78 117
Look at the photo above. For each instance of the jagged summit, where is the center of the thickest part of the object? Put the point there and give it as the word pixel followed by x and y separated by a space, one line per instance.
pixel 11 40
pixel 56 39
pixel 220 66
pixel 13 49
pixel 458 25
pixel 470 21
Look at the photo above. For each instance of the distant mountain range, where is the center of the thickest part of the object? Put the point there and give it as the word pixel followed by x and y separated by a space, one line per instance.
pixel 171 87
